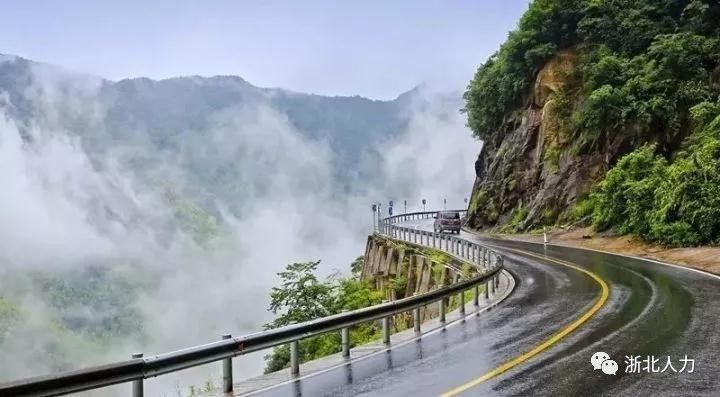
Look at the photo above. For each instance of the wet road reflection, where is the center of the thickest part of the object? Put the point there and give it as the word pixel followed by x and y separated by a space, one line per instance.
pixel 652 310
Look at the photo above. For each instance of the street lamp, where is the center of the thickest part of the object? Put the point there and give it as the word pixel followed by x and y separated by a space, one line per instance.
pixel 424 202
pixel 379 214
pixel 374 210
pixel 445 204
pixel 405 203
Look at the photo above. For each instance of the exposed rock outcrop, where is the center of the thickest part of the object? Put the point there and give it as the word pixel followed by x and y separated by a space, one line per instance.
pixel 530 176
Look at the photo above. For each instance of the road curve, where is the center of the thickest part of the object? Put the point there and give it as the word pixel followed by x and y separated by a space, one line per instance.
pixel 652 310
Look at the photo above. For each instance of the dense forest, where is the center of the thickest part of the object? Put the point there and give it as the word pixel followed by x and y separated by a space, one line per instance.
pixel 627 137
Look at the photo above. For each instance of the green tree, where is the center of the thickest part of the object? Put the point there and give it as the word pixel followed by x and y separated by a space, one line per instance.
pixel 301 296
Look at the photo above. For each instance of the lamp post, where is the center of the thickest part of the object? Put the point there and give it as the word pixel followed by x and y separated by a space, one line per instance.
pixel 379 214
pixel 374 210
pixel 445 204
pixel 424 202
pixel 405 203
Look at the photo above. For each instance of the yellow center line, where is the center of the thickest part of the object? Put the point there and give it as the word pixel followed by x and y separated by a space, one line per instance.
pixel 605 292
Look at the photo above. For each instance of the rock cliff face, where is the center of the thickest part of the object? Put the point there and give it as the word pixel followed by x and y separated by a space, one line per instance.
pixel 529 176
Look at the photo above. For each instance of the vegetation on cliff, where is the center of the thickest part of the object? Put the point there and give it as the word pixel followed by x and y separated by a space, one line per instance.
pixel 645 78
pixel 676 203
pixel 301 296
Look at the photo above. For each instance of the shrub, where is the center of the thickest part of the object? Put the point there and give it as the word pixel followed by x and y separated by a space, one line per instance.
pixel 625 197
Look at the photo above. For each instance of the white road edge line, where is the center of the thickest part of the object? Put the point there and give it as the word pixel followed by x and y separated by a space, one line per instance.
pixel 688 268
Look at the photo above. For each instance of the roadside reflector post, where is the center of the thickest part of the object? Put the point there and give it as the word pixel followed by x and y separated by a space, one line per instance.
pixel 227 370
pixel 137 385
pixel 294 358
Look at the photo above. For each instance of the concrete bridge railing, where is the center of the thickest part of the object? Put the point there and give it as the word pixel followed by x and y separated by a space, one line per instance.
pixel 487 265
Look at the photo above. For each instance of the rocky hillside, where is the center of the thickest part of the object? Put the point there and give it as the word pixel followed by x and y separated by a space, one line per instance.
pixel 577 87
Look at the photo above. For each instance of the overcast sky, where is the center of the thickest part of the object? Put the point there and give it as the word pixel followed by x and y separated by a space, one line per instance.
pixel 377 49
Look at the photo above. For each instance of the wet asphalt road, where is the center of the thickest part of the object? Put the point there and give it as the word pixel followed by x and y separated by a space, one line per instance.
pixel 653 310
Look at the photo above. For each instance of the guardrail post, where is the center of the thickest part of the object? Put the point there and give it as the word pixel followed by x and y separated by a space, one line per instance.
pixel 476 298
pixel 492 287
pixel 227 370
pixel 487 289
pixel 417 321
pixel 461 295
pixel 345 341
pixel 386 330
pixel 441 307
pixel 294 359
pixel 434 234
pixel 137 385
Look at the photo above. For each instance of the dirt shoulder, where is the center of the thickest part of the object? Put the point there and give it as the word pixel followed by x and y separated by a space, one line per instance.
pixel 703 258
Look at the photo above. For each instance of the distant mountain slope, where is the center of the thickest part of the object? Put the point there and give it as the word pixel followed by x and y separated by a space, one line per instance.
pixel 151 119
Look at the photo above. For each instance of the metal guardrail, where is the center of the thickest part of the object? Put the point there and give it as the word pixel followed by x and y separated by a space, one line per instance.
pixel 139 368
